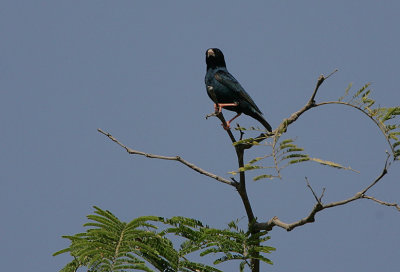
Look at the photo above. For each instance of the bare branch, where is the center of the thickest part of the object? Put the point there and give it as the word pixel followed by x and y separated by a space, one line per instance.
pixel 322 195
pixel 397 206
pixel 334 71
pixel 321 79
pixel 384 172
pixel 242 186
pixel 310 104
pixel 171 158
pixel 275 221
pixel 312 191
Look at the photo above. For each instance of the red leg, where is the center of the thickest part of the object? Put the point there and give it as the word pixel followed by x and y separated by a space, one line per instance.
pixel 220 106
pixel 228 124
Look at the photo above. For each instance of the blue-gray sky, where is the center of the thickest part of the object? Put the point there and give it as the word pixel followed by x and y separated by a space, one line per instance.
pixel 136 69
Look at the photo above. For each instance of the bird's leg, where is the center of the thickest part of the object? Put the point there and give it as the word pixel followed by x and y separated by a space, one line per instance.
pixel 228 124
pixel 220 106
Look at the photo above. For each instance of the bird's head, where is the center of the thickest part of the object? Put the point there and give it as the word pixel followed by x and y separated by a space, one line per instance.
pixel 214 58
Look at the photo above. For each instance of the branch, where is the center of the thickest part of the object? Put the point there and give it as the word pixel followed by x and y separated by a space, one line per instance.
pixel 310 218
pixel 397 206
pixel 173 158
pixel 311 103
pixel 241 188
pixel 314 194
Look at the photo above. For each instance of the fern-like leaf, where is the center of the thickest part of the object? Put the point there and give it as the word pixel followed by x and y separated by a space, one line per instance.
pixel 115 246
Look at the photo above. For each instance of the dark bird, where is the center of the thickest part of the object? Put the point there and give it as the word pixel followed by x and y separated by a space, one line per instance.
pixel 226 91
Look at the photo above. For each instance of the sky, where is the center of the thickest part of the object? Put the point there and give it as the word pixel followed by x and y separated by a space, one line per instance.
pixel 136 70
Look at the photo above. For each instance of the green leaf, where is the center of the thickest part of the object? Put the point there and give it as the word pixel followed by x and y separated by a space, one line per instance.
pixel 299 160
pixel 263 177
pixel 361 90
pixel 257 159
pixel 332 164
pixel 391 113
pixel 396 144
pixel 346 93
pixel 286 141
pixel 295 155
pixel 246 141
pixel 287 145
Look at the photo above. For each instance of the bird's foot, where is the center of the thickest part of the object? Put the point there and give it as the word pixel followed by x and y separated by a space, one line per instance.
pixel 227 126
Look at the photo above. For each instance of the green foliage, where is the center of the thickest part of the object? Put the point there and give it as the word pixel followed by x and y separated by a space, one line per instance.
pixel 112 245
pixel 284 153
pixel 232 243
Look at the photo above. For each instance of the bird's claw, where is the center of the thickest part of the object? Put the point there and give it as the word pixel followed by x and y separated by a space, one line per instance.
pixel 226 126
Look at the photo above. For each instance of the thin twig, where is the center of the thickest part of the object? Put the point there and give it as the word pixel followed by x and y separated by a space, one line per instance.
pixel 311 103
pixel 240 131
pixel 322 195
pixel 312 191
pixel 331 73
pixel 384 172
pixel 171 158
pixel 397 206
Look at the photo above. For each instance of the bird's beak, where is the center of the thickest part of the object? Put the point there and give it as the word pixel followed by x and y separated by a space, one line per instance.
pixel 210 52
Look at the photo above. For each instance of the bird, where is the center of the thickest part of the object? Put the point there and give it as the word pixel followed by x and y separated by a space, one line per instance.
pixel 226 91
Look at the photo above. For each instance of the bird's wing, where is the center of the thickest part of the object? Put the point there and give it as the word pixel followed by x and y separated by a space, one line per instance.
pixel 225 78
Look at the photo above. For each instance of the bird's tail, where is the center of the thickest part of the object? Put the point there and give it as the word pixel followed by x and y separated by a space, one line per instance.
pixel 264 122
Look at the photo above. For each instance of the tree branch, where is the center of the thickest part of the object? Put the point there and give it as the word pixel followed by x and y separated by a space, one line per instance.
pixel 311 103
pixel 397 206
pixel 275 221
pixel 314 194
pixel 241 188
pixel 171 158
